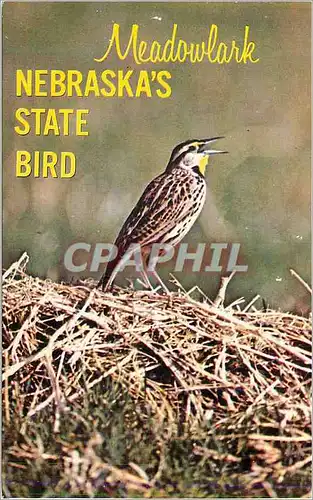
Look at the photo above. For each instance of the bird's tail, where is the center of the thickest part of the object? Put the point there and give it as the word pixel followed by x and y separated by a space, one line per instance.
pixel 108 276
pixel 105 280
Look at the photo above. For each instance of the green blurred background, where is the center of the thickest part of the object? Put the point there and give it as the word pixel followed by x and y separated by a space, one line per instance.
pixel 259 193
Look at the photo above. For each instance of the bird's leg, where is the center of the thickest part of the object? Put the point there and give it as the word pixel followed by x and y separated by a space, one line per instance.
pixel 150 264
pixel 145 252
pixel 157 277
pixel 146 280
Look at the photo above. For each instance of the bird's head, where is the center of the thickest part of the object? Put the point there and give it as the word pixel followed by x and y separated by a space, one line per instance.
pixel 193 155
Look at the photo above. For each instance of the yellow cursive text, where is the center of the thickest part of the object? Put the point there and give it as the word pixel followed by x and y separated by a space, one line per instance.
pixel 178 50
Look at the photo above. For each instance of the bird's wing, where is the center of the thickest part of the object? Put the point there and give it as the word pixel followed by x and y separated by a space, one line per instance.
pixel 159 209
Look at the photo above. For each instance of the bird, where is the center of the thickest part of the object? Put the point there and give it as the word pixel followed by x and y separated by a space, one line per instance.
pixel 168 207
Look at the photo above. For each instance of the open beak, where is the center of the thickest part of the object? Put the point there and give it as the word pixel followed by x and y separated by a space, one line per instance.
pixel 206 144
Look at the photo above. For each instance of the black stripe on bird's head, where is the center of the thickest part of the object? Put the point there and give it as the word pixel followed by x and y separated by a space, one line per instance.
pixel 193 154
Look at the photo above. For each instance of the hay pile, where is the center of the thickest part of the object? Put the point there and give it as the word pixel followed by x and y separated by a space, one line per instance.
pixel 232 383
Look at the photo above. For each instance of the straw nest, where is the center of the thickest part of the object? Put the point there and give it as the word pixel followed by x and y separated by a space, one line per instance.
pixel 236 379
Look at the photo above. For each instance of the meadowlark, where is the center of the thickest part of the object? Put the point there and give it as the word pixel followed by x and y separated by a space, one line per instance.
pixel 168 207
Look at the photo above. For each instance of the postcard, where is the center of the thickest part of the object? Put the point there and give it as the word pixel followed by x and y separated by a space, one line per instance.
pixel 156 249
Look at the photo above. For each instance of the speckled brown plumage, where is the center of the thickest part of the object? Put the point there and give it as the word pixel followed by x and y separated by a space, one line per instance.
pixel 167 209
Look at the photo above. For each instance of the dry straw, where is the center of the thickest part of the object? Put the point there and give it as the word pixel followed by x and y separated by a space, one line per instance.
pixel 239 374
